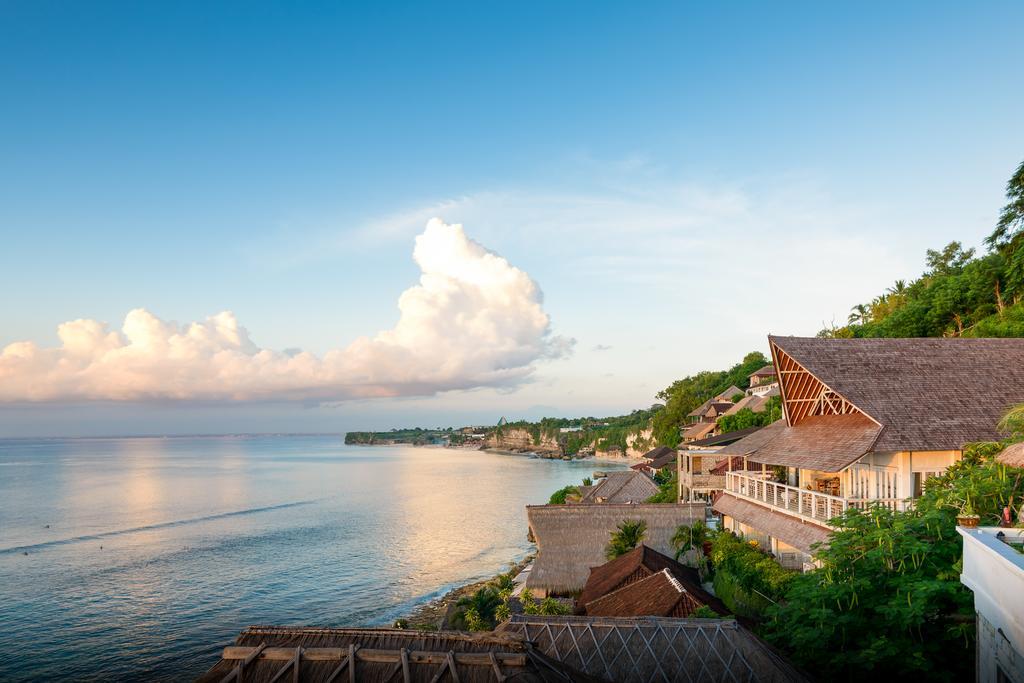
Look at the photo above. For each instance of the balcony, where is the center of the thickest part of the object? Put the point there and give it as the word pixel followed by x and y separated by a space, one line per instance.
pixel 809 505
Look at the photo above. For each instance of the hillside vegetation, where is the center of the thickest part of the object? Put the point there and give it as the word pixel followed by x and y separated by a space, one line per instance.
pixel 960 294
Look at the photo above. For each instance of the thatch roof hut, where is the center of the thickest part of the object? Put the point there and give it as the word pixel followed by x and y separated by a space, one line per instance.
pixel 1012 455
pixel 655 649
pixel 572 538
pixel 262 654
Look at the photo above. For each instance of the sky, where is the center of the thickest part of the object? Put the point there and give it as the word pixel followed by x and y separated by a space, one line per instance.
pixel 280 217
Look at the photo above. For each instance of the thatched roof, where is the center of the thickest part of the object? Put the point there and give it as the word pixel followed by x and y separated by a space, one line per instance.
pixel 795 532
pixel 927 394
pixel 572 538
pixel 650 649
pixel 1012 455
pixel 638 565
pixel 324 654
pixel 626 486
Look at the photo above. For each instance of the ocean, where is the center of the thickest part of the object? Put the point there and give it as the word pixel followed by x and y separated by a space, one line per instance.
pixel 140 558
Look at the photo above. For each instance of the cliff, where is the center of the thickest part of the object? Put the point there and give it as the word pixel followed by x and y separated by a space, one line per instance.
pixel 520 439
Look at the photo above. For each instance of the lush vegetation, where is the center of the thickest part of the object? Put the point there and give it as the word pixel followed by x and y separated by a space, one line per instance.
pixel 747 418
pixel 493 604
pixel 558 497
pixel 746 578
pixel 627 536
pixel 683 395
pixel 960 293
pixel 888 598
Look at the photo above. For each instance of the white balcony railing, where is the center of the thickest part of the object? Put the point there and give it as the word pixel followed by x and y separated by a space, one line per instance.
pixel 810 505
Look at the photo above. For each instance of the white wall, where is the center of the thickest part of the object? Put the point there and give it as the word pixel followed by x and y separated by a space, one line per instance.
pixel 995 573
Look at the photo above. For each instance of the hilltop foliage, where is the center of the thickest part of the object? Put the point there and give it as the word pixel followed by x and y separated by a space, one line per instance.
pixel 960 294
pixel 683 395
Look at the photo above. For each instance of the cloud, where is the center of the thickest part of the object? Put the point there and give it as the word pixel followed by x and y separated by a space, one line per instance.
pixel 601 347
pixel 474 320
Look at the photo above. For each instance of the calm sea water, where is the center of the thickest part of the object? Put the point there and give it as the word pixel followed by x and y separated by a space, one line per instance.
pixel 146 556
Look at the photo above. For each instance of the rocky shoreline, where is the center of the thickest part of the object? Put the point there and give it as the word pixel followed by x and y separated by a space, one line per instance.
pixel 431 616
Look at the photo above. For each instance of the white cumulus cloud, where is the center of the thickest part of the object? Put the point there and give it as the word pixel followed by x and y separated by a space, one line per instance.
pixel 474 320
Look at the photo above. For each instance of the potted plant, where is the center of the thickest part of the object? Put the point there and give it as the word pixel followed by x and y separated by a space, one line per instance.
pixel 967 517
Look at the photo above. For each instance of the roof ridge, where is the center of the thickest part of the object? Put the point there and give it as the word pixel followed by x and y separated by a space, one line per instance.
pixel 674 581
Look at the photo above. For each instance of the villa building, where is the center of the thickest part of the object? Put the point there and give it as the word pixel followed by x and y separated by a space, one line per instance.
pixel 763 381
pixel 864 421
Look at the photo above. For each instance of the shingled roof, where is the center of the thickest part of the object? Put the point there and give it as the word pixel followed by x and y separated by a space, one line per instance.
pixel 797 533
pixel 926 394
pixel 656 453
pixel 637 565
pixel 699 430
pixel 627 486
pixel 314 655
pixel 766 371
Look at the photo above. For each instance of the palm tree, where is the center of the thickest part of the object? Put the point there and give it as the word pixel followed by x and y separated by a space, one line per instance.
pixel 629 534
pixel 482 604
pixel 858 315
pixel 899 287
pixel 1013 422
pixel 687 538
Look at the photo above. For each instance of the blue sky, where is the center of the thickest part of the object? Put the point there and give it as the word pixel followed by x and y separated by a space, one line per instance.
pixel 678 179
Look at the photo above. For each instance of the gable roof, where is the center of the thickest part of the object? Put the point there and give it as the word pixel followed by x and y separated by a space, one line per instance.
pixel 766 371
pixel 752 402
pixel 380 654
pixel 644 561
pixel 649 649
pixel 702 408
pixel 828 443
pixel 626 486
pixel 656 453
pixel 926 394
pixel 729 393
pixel 572 538
pixel 699 430
pixel 718 408
pixel 665 460
pixel 658 595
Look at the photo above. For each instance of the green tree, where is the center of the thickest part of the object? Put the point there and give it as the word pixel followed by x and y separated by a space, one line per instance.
pixel 888 598
pixel 629 534
pixel 1011 218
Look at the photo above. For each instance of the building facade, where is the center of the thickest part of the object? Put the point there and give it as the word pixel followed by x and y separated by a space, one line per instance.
pixel 865 421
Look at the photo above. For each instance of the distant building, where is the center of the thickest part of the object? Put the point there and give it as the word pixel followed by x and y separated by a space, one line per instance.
pixel 763 381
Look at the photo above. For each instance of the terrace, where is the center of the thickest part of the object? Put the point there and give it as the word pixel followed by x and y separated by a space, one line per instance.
pixel 803 503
